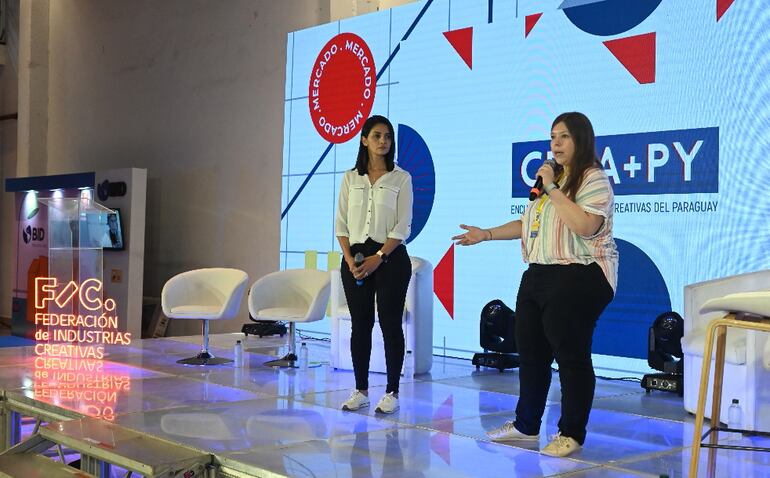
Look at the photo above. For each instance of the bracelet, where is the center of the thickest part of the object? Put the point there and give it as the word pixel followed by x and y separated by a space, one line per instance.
pixel 551 187
pixel 490 234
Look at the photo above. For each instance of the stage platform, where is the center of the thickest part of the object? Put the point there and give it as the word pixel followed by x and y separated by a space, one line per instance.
pixel 261 421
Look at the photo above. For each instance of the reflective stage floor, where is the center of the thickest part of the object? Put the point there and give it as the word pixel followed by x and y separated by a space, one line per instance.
pixel 262 421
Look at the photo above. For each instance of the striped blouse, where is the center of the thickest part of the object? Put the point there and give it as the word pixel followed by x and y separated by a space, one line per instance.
pixel 555 243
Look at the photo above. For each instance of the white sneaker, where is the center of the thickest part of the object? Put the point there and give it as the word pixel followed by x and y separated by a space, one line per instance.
pixel 387 404
pixel 356 401
pixel 508 432
pixel 561 446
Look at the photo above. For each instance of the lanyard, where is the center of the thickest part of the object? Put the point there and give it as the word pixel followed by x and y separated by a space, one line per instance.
pixel 535 228
pixel 539 211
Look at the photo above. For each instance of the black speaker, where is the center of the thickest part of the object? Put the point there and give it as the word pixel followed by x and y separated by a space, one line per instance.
pixel 106 189
pixel 497 327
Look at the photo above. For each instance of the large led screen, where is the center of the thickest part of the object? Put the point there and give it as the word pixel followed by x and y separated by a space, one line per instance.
pixel 678 94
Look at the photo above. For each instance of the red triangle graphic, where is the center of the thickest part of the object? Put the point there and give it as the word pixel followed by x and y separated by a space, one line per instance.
pixel 722 6
pixel 444 413
pixel 462 41
pixel 439 443
pixel 637 54
pixel 529 23
pixel 442 420
pixel 444 281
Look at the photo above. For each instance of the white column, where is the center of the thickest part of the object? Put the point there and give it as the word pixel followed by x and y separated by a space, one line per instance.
pixel 32 153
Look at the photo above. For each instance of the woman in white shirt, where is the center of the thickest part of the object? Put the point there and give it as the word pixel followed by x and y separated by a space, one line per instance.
pixel 374 218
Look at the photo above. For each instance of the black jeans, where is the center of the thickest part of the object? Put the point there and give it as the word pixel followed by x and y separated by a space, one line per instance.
pixel 387 285
pixel 556 313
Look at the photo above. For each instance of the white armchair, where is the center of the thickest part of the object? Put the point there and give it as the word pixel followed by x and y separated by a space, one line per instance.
pixel 766 356
pixel 746 377
pixel 291 295
pixel 417 323
pixel 204 294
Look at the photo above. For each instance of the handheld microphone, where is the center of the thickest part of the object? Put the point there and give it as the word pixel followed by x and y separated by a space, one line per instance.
pixel 359 259
pixel 537 189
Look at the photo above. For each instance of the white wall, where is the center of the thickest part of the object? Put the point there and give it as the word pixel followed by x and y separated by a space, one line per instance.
pixel 192 90
pixel 339 9
pixel 124 269
pixel 8 132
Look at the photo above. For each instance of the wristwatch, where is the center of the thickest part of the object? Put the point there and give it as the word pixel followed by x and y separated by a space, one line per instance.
pixel 383 256
pixel 551 187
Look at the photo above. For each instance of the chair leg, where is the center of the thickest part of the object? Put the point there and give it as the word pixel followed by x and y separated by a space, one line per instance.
pixel 702 395
pixel 291 357
pixel 716 397
pixel 204 357
pixel 719 368
pixel 205 332
pixel 292 338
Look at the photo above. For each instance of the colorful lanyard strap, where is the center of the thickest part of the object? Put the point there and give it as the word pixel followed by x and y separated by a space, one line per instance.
pixel 535 228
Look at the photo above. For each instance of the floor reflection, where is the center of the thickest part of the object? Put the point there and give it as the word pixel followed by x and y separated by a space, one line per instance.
pixel 260 420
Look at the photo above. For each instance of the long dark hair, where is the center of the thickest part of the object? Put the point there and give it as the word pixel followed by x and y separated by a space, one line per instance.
pixel 362 161
pixel 585 158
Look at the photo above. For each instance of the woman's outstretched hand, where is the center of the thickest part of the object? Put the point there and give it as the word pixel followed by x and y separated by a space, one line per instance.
pixel 474 235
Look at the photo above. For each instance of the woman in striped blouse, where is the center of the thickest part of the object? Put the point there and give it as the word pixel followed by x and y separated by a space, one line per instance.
pixel 566 238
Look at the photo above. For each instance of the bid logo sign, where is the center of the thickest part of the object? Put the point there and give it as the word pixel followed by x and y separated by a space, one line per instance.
pixel 30 234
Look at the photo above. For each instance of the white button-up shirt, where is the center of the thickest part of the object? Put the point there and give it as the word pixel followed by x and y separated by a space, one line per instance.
pixel 379 211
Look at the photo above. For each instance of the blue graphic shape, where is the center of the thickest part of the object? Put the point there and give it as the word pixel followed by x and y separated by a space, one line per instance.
pixel 641 296
pixel 681 161
pixel 414 156
pixel 577 3
pixel 608 17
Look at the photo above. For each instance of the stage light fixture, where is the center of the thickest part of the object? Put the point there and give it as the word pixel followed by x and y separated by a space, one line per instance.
pixel 496 333
pixel 664 353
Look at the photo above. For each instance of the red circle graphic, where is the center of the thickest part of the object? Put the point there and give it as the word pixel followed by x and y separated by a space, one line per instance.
pixel 342 86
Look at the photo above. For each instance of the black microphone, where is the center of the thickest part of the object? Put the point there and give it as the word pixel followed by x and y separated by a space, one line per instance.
pixel 359 259
pixel 537 189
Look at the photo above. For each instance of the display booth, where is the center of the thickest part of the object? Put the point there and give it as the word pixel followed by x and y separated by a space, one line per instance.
pixel 65 236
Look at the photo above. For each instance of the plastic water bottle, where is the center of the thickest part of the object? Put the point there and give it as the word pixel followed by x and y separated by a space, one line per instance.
pixel 408 364
pixel 735 419
pixel 303 357
pixel 238 354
